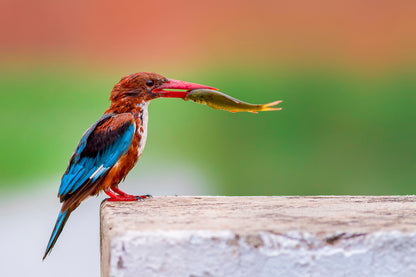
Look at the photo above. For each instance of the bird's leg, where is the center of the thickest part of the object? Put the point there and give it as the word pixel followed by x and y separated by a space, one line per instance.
pixel 121 193
pixel 115 197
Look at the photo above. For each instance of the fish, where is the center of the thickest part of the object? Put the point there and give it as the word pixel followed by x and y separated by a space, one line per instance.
pixel 221 101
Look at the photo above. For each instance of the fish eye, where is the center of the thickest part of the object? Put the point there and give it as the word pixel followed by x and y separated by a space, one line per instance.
pixel 150 83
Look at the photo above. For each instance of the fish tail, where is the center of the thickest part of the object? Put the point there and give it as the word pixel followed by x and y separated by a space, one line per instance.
pixel 59 225
pixel 269 106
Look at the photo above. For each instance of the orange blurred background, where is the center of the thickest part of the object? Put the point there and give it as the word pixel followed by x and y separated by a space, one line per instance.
pixel 192 33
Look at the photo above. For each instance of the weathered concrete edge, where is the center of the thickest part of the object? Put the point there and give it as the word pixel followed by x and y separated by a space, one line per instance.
pixel 379 253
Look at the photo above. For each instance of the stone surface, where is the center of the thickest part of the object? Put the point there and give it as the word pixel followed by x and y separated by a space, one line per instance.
pixel 260 236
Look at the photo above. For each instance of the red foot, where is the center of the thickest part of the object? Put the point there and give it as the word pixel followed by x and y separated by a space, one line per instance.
pixel 122 196
pixel 121 193
pixel 115 197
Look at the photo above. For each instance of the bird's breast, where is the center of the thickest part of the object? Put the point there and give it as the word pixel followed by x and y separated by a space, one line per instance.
pixel 122 167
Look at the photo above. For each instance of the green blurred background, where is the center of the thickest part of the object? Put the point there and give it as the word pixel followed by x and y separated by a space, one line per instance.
pixel 346 74
pixel 337 133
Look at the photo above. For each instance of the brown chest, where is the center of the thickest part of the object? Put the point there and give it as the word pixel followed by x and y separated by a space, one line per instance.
pixel 120 170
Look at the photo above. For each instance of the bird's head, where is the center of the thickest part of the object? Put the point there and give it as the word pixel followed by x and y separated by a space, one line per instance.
pixel 144 86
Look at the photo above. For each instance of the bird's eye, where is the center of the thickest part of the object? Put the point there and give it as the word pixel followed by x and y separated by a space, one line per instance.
pixel 150 83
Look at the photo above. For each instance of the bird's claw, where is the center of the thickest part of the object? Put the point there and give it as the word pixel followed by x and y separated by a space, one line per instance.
pixel 141 197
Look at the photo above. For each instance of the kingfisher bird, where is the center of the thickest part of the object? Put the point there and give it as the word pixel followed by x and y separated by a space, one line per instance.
pixel 110 148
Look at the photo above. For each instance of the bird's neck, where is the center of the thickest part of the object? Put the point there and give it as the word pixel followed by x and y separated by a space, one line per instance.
pixel 127 106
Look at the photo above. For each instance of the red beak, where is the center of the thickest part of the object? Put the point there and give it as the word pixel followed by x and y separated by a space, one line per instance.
pixel 175 84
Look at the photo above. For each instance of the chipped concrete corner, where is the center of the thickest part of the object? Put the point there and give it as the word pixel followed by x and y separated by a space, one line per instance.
pixel 243 236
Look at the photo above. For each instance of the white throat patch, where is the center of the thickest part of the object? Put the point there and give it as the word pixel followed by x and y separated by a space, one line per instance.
pixel 144 115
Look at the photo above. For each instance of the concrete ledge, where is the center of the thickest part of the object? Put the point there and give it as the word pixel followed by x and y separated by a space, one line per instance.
pixel 260 236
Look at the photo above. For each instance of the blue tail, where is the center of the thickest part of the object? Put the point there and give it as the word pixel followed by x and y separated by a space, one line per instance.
pixel 59 225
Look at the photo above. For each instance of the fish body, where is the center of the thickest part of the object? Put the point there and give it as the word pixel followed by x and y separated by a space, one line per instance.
pixel 222 101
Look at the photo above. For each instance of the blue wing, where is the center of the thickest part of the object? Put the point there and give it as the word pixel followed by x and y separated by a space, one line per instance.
pixel 100 148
